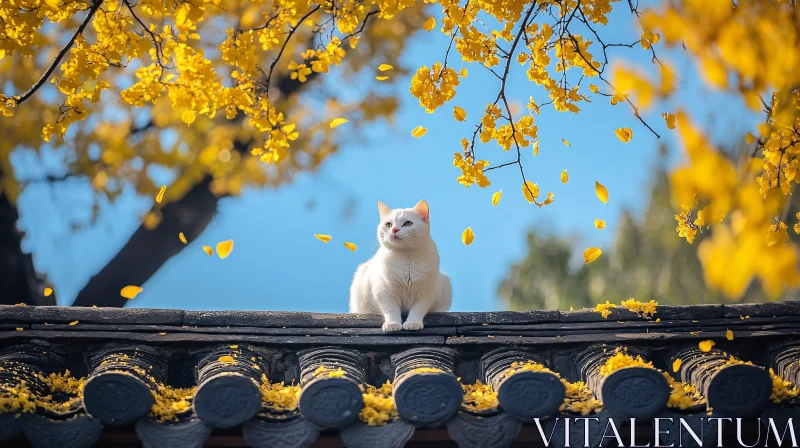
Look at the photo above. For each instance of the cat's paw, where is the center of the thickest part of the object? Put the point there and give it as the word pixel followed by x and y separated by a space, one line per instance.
pixel 412 325
pixel 391 326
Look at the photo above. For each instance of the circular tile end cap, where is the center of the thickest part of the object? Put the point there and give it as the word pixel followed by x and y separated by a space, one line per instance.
pixel 635 392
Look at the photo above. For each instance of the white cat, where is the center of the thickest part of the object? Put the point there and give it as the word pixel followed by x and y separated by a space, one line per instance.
pixel 403 278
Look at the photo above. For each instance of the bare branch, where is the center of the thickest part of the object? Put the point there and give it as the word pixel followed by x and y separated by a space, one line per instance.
pixel 95 5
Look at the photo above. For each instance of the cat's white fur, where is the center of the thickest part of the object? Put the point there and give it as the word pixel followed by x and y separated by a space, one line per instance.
pixel 403 277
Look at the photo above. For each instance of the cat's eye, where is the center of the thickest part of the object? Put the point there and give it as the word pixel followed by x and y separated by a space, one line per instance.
pixel 407 223
pixel 388 224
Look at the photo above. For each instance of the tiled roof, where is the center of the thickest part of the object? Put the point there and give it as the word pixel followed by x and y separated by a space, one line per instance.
pixel 282 379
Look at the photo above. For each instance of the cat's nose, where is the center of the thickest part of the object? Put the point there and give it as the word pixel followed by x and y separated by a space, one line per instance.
pixel 395 230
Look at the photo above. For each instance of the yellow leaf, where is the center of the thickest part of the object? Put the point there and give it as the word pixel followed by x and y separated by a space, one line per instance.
pixel 227 358
pixel 160 196
pixel 599 224
pixel 351 246
pixel 536 148
pixel 73 323
pixel 676 365
pixel 20 328
pixel 749 138
pixel 468 236
pixel 624 134
pixel 234 347
pixel 48 291
pixel 566 143
pixel 163 333
pixel 182 237
pixel 564 177
pixel 419 131
pixel 705 346
pixel 601 191
pixel 530 190
pixel 188 116
pixel 385 67
pixel 429 24
pixel 324 238
pixel 463 73
pixel 459 114
pixel 208 250
pixel 593 88
pixel 729 335
pixel 130 292
pixel 338 121
pixel 381 78
pixel 669 119
pixel 496 197
pixel 224 248
pixel 591 254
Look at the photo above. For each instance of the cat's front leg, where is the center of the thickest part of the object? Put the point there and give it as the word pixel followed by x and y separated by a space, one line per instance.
pixel 416 314
pixel 391 315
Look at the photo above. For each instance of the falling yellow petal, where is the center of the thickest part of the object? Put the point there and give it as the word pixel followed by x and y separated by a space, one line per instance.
pixel 130 292
pixel 419 131
pixel 624 134
pixel 591 254
pixel 601 191
pixel 73 323
pixel 669 119
pixel 188 116
pixel 351 246
pixel 496 197
pixel 599 224
pixel 729 335
pixel 676 365
pixel 566 143
pixel 48 291
pixel 338 121
pixel 385 67
pixel 224 248
pixel 468 236
pixel 182 237
pixel 324 238
pixel 564 177
pixel 705 346
pixel 163 333
pixel 429 24
pixel 459 114
pixel 160 196
pixel 234 347
pixel 530 190
pixel 20 328
pixel 381 78
pixel 536 148
pixel 226 358
pixel 208 250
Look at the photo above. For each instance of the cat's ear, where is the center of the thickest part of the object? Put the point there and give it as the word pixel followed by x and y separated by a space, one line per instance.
pixel 422 210
pixel 383 209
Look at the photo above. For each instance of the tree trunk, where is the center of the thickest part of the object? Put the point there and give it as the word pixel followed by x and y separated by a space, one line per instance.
pixel 19 280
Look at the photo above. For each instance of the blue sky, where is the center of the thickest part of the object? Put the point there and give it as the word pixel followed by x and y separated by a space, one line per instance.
pixel 277 264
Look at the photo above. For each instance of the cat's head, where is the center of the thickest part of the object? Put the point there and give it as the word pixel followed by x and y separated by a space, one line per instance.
pixel 404 228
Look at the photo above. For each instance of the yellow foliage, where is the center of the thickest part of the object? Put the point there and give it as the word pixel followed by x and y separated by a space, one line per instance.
pixel 378 405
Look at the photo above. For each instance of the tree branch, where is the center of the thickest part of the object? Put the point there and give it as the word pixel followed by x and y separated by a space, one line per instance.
pixel 95 5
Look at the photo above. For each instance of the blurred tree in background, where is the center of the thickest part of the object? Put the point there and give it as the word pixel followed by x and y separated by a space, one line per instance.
pixel 644 261
pixel 172 69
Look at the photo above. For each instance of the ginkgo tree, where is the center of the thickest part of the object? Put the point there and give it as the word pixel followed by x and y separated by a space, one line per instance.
pixel 223 77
